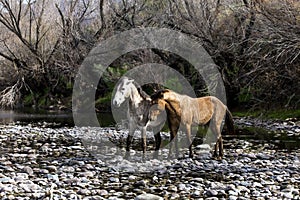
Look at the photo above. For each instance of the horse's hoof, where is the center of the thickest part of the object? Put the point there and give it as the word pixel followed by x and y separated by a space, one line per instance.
pixel 217 157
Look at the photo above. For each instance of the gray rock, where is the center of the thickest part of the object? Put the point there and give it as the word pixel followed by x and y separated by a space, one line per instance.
pixel 211 193
pixel 28 170
pixel 53 177
pixel 7 180
pixel 287 195
pixel 88 174
pixel 172 188
pixel 84 192
pixel 232 197
pixel 114 180
pixel 103 192
pixel 148 197
pixel 175 196
pixel 141 183
pixel 182 187
pixel 133 178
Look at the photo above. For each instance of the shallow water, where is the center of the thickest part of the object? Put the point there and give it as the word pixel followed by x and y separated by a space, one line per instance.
pixel 285 135
pixel 57 118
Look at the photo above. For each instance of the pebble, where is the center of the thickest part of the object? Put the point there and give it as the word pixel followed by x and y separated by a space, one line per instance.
pixel 148 197
pixel 211 193
pixel 57 166
pixel 114 180
pixel 28 170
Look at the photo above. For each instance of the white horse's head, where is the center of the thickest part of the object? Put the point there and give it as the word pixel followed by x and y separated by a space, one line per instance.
pixel 123 91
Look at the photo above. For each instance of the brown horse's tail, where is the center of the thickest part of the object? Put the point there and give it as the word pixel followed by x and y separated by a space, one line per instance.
pixel 229 122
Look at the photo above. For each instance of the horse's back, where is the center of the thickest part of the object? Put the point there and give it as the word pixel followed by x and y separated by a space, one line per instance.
pixel 196 110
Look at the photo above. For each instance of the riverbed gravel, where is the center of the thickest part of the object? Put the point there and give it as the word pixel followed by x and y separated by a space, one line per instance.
pixel 41 162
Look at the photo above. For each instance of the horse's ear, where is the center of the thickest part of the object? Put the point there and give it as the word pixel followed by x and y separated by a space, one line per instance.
pixel 129 81
pixel 161 94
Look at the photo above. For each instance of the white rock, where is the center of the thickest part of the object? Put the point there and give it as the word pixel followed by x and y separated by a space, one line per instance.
pixel 148 197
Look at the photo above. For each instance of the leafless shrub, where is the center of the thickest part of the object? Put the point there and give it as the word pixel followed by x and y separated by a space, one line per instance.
pixel 10 97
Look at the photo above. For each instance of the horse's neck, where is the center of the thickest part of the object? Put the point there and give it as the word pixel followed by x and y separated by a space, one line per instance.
pixel 173 107
pixel 138 107
pixel 135 96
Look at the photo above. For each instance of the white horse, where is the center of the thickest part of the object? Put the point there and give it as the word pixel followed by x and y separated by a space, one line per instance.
pixel 137 113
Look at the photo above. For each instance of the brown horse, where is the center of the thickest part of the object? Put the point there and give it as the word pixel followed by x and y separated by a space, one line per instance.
pixel 184 110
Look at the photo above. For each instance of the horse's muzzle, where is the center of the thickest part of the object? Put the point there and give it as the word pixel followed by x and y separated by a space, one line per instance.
pixel 115 103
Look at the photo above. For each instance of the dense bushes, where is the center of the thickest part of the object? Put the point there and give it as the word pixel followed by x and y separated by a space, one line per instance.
pixel 255 43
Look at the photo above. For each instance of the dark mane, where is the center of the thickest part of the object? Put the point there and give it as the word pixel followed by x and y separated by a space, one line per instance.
pixel 159 94
pixel 143 94
pixel 171 108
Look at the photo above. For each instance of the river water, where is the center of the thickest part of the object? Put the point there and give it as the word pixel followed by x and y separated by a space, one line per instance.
pixel 285 134
pixel 58 118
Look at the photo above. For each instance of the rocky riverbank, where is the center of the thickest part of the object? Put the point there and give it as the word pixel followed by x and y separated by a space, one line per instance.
pixel 38 162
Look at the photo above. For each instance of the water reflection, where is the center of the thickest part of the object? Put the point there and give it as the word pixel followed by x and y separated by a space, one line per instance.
pixel 62 118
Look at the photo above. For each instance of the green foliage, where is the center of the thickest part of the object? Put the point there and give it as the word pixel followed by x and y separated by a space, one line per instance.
pixel 245 95
pixel 174 84
pixel 69 85
pixel 28 100
pixel 42 102
pixel 104 100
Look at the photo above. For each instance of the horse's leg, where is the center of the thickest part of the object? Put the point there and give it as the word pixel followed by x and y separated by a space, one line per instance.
pixel 189 140
pixel 128 142
pixel 219 142
pixel 129 139
pixel 215 132
pixel 220 139
pixel 157 137
pixel 176 144
pixel 144 141
pixel 172 135
pixel 173 132
pixel 221 147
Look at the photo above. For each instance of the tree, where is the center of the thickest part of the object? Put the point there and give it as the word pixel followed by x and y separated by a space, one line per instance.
pixel 45 45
